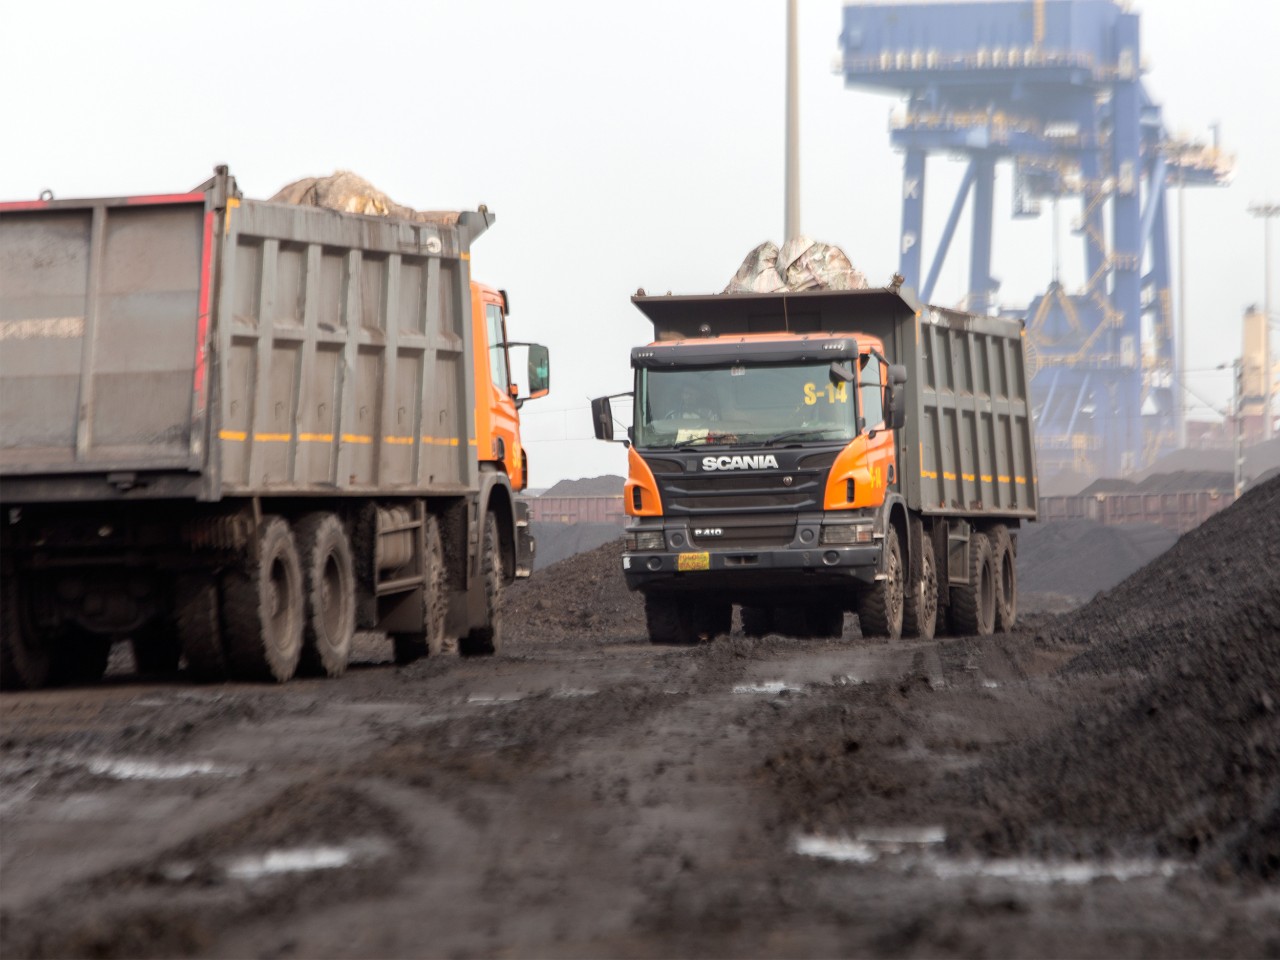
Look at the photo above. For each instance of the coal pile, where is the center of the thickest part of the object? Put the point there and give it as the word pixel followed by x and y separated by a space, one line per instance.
pixel 1179 756
pixel 1079 558
pixel 583 599
pixel 559 541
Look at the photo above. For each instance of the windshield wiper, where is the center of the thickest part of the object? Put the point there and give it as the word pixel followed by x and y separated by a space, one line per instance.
pixel 793 435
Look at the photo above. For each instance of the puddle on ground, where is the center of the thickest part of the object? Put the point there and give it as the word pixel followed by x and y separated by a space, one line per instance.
pixel 773 687
pixel 909 848
pixel 296 860
pixel 491 698
pixel 148 770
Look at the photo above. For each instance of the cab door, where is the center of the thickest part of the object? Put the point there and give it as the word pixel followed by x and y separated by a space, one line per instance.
pixel 872 380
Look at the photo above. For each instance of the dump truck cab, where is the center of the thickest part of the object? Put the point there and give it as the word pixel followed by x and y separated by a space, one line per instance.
pixel 503 460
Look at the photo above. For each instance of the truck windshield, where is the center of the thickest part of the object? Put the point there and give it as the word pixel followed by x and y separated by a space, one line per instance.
pixel 747 404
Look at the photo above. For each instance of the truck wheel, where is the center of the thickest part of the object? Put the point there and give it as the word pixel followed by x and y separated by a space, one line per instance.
pixel 670 621
pixel 262 607
pixel 1006 578
pixel 329 584
pixel 880 612
pixel 757 621
pixel 973 605
pixel 920 601
pixel 431 640
pixel 195 611
pixel 712 620
pixel 487 640
pixel 24 660
pixel 155 650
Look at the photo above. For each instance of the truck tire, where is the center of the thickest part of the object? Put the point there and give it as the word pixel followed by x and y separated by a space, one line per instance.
pixel 329 585
pixel 973 605
pixel 24 661
pixel 880 612
pixel 1006 578
pixel 711 620
pixel 670 621
pixel 262 607
pixel 196 613
pixel 431 640
pixel 920 600
pixel 486 641
pixel 757 621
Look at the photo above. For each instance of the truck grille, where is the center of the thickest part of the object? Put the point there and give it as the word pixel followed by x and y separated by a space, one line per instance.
pixel 697 494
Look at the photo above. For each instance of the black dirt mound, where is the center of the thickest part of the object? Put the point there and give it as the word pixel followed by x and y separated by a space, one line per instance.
pixel 583 599
pixel 1078 558
pixel 1182 757
pixel 609 485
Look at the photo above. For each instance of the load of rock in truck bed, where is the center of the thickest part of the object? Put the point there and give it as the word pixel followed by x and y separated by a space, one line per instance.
pixel 347 192
pixel 800 264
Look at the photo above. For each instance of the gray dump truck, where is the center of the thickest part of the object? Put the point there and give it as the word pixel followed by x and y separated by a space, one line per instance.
pixel 807 454
pixel 233 432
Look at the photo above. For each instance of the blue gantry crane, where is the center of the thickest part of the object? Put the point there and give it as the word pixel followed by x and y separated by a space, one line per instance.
pixel 1053 87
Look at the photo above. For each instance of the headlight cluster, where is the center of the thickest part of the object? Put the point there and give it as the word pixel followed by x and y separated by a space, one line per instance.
pixel 847 533
pixel 645 540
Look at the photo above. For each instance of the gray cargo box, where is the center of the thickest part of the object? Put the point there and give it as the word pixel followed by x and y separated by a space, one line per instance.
pixel 201 345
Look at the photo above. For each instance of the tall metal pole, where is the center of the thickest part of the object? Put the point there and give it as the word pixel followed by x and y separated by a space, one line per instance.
pixel 792 226
pixel 1266 211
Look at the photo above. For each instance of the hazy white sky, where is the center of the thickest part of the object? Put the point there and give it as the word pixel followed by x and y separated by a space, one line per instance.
pixel 621 146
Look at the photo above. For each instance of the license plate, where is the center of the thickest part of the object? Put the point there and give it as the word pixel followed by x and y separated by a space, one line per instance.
pixel 693 561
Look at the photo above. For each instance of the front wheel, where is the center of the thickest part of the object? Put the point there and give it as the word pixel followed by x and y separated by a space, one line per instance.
pixel 486 641
pixel 670 621
pixel 880 612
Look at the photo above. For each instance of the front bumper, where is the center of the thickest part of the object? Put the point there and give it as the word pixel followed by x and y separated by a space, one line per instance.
pixel 772 570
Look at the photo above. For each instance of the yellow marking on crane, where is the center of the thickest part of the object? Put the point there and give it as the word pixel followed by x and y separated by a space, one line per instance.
pixel 356 438
pixel 232 435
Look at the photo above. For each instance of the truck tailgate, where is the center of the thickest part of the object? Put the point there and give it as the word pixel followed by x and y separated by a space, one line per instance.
pixel 102 306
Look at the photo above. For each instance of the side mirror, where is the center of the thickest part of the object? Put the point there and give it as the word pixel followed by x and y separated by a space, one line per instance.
pixel 602 418
pixel 897 374
pixel 539 371
pixel 897 405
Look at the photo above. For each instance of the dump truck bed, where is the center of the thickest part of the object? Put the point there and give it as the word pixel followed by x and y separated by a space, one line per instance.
pixel 200 345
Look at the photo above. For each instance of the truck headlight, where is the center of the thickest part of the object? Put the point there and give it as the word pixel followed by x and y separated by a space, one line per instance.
pixel 847 533
pixel 645 540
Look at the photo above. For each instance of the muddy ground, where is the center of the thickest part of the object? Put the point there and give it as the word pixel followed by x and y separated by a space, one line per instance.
pixel 1101 783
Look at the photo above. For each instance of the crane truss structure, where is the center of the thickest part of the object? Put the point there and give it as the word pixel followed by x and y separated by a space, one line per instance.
pixel 1056 89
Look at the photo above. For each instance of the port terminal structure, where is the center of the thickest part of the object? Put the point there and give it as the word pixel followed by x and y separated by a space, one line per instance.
pixel 1055 88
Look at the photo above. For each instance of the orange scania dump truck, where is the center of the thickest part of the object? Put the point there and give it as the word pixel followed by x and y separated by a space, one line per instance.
pixel 234 431
pixel 807 454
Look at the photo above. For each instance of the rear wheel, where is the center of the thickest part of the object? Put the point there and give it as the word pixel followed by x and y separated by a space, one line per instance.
pixel 263 607
pixel 757 621
pixel 670 621
pixel 197 615
pixel 1006 578
pixel 880 612
pixel 24 660
pixel 920 600
pixel 329 584
pixel 81 657
pixel 973 604
pixel 486 640
pixel 431 640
